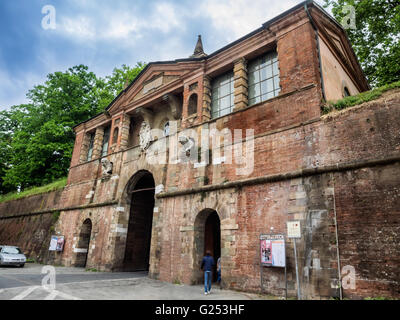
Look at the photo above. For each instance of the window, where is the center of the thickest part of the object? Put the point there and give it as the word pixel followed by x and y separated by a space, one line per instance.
pixel 263 74
pixel 222 101
pixel 115 136
pixel 166 129
pixel 106 139
pixel 346 92
pixel 91 144
pixel 192 107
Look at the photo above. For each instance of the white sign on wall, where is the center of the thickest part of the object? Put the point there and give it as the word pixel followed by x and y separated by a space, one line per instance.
pixel 273 250
pixel 293 229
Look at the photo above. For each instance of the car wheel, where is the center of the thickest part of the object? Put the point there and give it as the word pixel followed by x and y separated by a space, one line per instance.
pixel 21 265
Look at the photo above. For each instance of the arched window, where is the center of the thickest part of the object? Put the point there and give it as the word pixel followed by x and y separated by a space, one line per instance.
pixel 192 107
pixel 346 92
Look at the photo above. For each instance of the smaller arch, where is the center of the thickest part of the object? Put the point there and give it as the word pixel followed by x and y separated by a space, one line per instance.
pixel 82 247
pixel 207 236
pixel 192 105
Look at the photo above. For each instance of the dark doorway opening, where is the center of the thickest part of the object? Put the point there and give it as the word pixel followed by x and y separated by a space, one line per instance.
pixel 138 241
pixel 83 244
pixel 212 239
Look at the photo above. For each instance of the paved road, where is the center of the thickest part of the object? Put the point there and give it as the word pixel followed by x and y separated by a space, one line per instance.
pixel 30 275
pixel 79 284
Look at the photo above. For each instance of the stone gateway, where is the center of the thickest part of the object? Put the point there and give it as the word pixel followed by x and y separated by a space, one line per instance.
pixel 255 103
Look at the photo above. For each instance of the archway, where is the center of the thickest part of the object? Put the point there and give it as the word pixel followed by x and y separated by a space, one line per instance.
pixel 207 238
pixel 83 244
pixel 138 241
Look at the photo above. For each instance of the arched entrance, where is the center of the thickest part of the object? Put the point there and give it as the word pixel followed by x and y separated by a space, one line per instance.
pixel 82 248
pixel 137 249
pixel 207 237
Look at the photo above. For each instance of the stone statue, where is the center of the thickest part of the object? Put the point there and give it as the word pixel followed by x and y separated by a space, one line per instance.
pixel 145 135
pixel 107 167
pixel 187 143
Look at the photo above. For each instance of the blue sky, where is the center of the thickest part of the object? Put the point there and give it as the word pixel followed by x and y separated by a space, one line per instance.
pixel 104 34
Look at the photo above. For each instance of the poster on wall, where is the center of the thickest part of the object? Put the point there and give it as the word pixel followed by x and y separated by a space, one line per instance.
pixel 273 250
pixel 56 243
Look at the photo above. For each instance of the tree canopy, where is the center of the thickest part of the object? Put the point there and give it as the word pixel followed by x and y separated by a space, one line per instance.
pixel 375 38
pixel 37 140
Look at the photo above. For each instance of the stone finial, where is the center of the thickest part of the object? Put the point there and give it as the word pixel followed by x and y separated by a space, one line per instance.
pixel 198 50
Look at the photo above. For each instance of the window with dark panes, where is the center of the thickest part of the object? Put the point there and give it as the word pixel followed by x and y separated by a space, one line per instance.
pixel 106 140
pixel 91 144
pixel 263 75
pixel 222 101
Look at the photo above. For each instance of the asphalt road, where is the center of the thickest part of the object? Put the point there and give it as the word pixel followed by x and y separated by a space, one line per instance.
pixel 79 284
pixel 30 275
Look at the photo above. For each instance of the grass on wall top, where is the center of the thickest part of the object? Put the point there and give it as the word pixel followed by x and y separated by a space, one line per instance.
pixel 56 185
pixel 359 98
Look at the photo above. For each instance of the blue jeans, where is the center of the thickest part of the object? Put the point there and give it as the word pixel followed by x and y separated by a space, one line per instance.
pixel 207 280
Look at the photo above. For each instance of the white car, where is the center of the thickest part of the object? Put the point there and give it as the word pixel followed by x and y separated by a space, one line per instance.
pixel 11 256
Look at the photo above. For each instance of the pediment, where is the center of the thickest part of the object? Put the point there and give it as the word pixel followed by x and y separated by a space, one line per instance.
pixel 154 79
pixel 335 39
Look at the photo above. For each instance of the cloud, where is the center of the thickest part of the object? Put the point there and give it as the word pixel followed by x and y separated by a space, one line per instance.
pixel 236 18
pixel 111 24
pixel 80 27
pixel 105 34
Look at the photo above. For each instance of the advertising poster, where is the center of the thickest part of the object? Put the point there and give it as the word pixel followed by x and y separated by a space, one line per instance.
pixel 56 243
pixel 272 250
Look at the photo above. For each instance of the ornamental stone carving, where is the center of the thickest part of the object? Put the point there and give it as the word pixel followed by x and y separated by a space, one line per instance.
pixel 107 167
pixel 145 135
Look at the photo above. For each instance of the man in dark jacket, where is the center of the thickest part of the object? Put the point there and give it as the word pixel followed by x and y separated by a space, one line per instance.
pixel 207 265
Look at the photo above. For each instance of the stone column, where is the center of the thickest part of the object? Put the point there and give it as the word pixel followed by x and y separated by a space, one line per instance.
pixel 98 143
pixel 126 122
pixel 84 148
pixel 240 84
pixel 206 107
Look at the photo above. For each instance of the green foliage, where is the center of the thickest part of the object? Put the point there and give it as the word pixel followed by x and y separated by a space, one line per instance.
pixel 37 139
pixel 56 185
pixel 112 85
pixel 360 98
pixel 376 38
pixel 56 215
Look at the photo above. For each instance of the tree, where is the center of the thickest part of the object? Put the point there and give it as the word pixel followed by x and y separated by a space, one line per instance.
pixel 7 127
pixel 111 86
pixel 375 38
pixel 37 139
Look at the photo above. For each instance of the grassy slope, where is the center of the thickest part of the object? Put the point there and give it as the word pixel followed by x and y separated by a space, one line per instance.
pixel 359 98
pixel 58 184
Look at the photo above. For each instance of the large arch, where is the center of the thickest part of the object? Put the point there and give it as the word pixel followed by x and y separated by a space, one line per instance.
pixel 140 191
pixel 207 236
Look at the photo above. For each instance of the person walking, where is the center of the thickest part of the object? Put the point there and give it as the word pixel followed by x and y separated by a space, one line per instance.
pixel 207 265
pixel 219 272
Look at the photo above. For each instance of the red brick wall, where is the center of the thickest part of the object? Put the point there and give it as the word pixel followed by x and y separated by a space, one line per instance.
pixel 368 210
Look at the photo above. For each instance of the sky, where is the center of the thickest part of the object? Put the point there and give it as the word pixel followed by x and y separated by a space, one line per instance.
pixel 104 34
